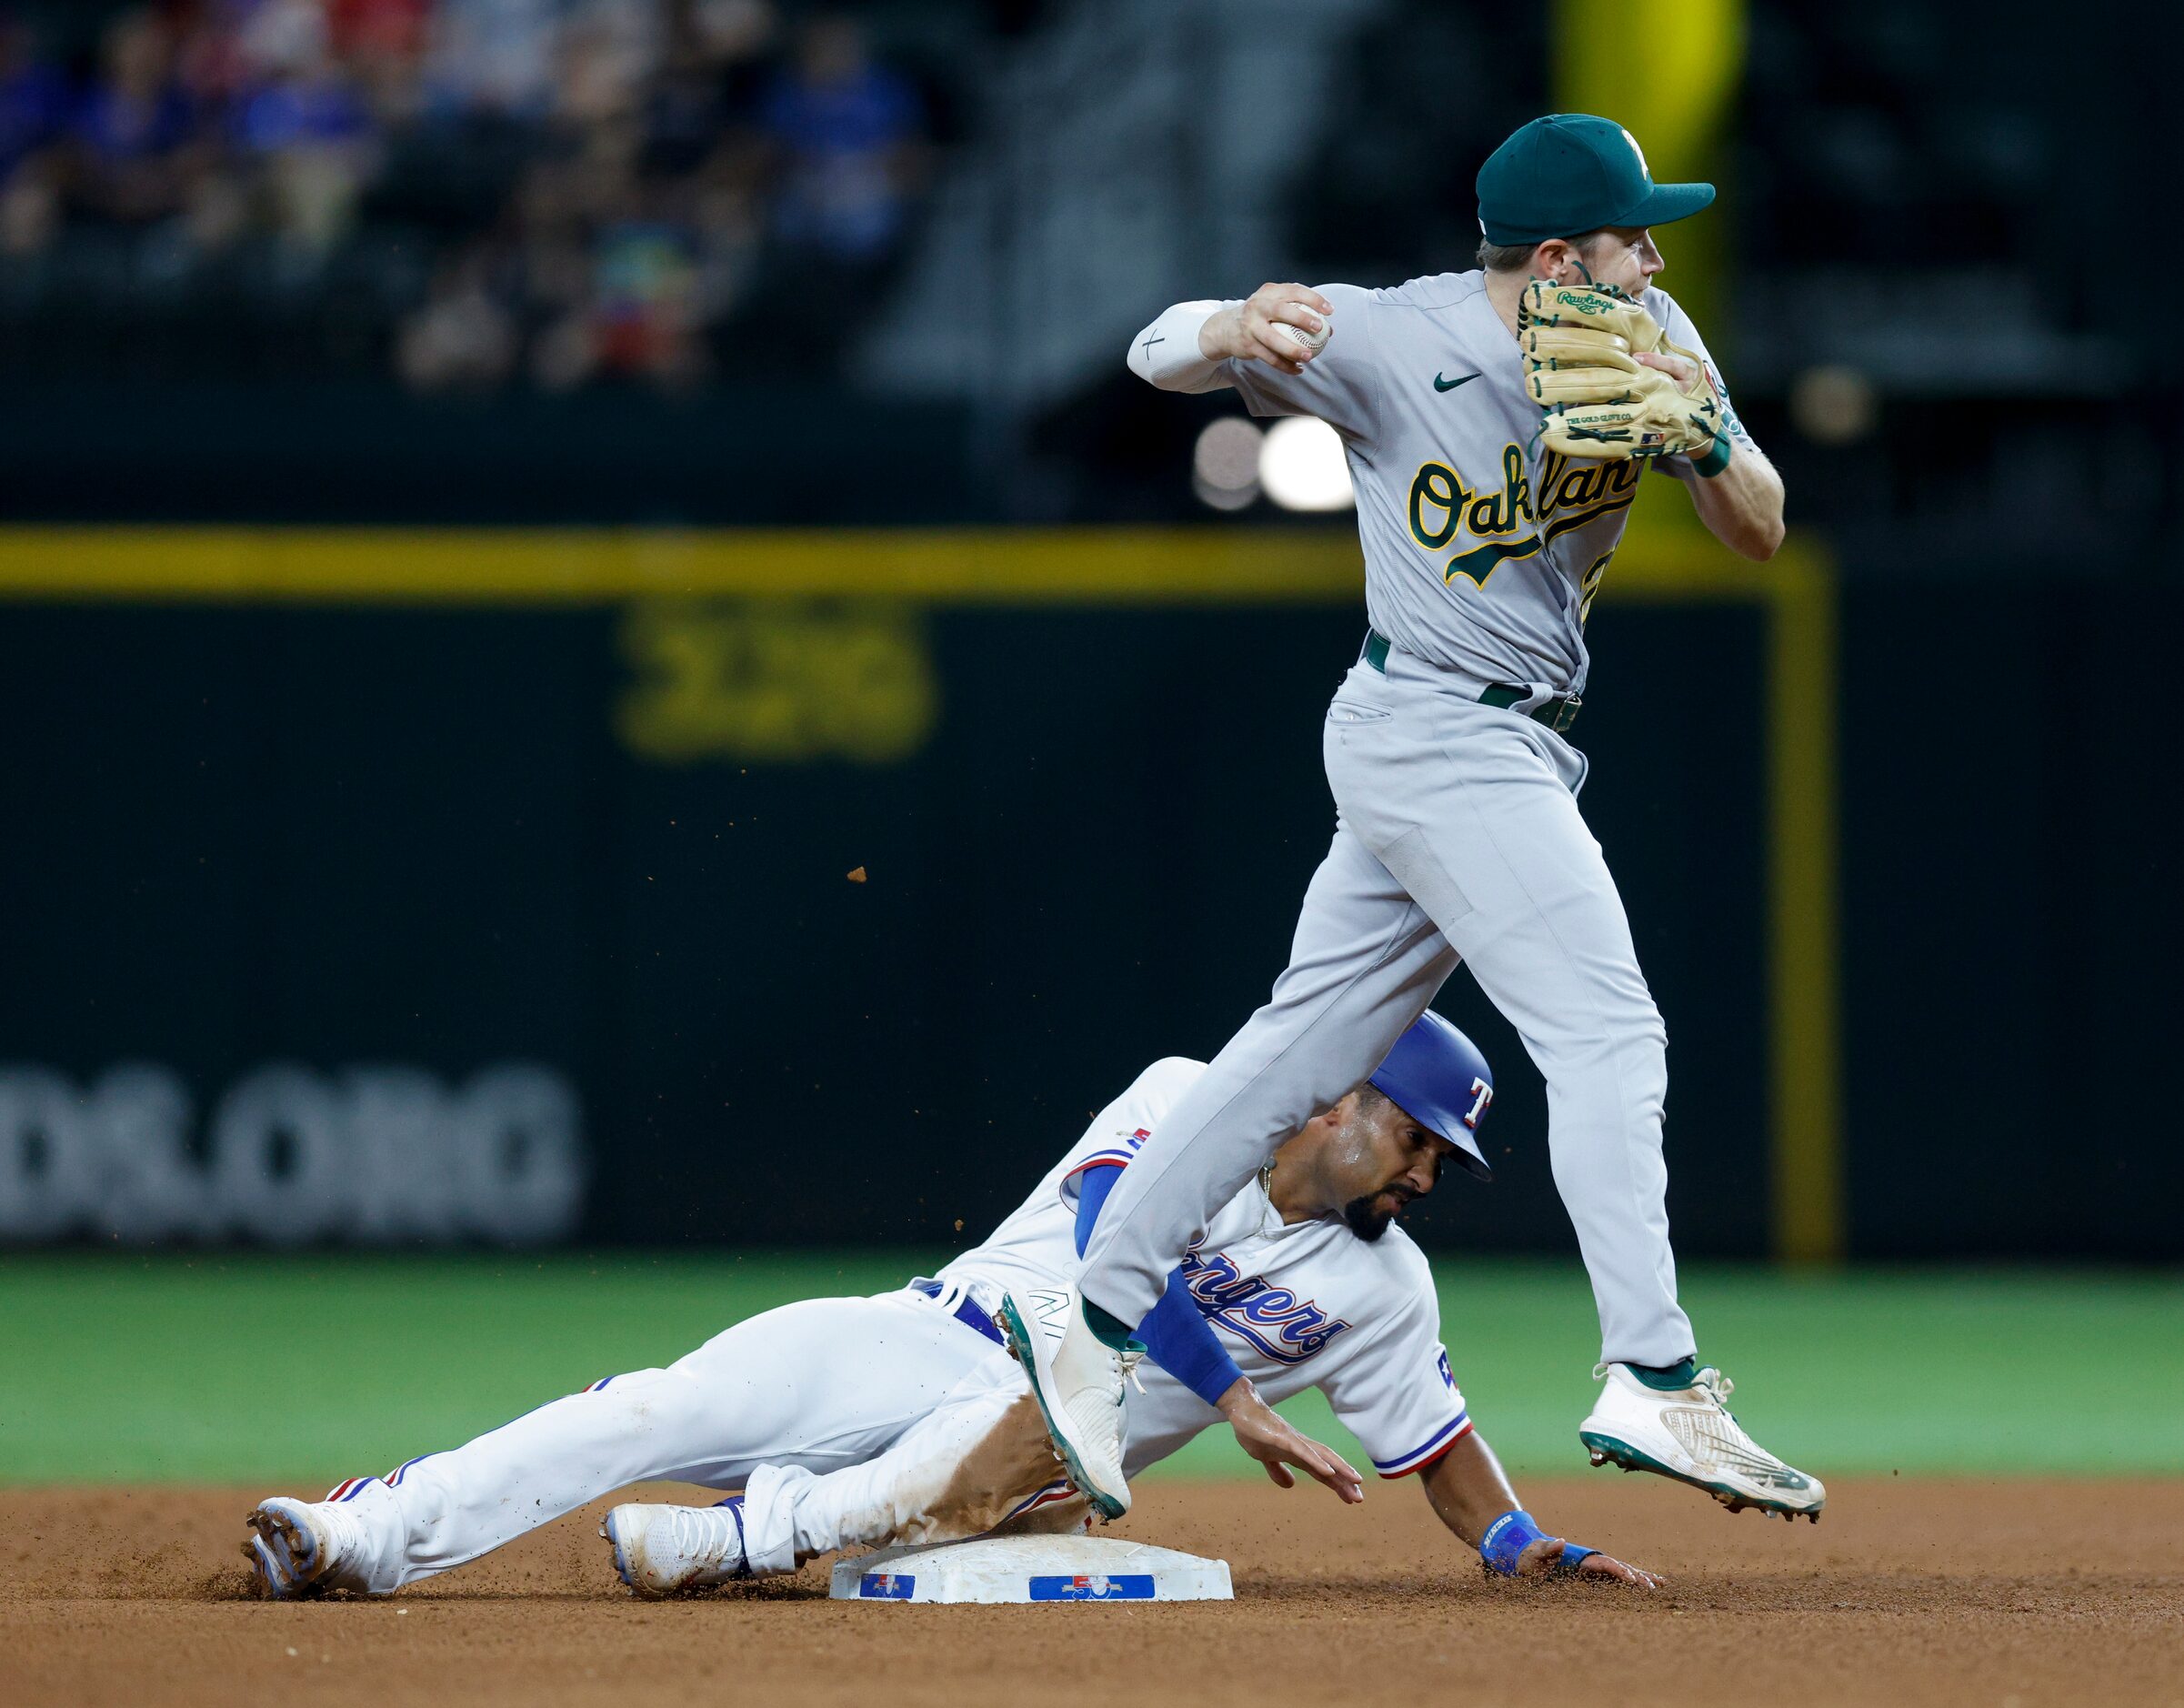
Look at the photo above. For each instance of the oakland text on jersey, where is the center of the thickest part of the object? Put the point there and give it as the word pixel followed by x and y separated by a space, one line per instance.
pixel 1571 492
pixel 1286 1328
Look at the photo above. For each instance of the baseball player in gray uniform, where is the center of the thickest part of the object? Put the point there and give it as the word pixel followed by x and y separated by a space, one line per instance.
pixel 1486 524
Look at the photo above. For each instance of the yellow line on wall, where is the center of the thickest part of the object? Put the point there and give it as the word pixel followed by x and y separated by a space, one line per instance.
pixel 1806 1080
pixel 579 567
pixel 596 566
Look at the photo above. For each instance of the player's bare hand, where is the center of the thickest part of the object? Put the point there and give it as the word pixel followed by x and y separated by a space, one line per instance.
pixel 1251 331
pixel 1683 371
pixel 1267 1436
pixel 1544 1558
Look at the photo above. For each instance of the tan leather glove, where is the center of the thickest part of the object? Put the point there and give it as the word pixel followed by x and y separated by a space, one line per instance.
pixel 1581 345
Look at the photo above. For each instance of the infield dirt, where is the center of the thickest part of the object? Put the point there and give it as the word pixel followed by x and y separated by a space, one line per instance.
pixel 2009 1594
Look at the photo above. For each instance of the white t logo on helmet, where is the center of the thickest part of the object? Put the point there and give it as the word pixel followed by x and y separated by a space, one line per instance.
pixel 1640 152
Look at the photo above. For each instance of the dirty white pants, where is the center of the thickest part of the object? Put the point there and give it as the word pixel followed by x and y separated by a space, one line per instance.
pixel 1459 838
pixel 840 1418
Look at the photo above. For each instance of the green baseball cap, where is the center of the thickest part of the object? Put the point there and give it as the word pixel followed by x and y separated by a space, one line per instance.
pixel 1569 173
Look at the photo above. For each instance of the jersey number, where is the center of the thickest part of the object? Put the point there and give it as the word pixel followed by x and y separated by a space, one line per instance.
pixel 1590 584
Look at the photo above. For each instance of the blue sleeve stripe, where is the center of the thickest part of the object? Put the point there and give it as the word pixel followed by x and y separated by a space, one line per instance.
pixel 1439 1439
pixel 1092 1191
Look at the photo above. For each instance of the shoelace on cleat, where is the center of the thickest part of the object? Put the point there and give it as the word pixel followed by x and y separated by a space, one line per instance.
pixel 1127 1361
pixel 1717 1384
pixel 1718 1388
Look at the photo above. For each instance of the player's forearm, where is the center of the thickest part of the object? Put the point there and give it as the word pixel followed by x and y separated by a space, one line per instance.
pixel 1474 1498
pixel 1742 505
pixel 1173 352
pixel 1466 1488
pixel 1221 335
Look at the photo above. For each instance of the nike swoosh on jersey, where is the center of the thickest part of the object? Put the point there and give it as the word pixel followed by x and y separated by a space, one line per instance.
pixel 1451 385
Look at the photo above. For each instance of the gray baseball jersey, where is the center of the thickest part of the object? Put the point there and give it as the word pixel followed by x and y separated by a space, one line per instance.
pixel 1483 550
pixel 1458 834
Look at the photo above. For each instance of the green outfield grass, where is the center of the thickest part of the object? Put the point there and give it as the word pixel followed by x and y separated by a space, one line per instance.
pixel 294 1370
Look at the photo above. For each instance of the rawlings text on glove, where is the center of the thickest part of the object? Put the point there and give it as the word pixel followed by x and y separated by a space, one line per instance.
pixel 1581 345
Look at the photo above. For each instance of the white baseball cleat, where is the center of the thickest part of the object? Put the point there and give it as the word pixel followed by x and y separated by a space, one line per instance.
pixel 301 1547
pixel 1077 1380
pixel 662 1550
pixel 1689 1434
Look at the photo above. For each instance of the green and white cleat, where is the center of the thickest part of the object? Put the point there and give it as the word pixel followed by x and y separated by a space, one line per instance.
pixel 1689 1434
pixel 1077 1380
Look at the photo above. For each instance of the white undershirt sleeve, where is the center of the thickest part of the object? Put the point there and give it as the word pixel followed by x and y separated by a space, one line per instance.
pixel 1167 353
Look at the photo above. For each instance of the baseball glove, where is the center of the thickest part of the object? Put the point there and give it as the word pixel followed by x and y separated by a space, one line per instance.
pixel 1581 345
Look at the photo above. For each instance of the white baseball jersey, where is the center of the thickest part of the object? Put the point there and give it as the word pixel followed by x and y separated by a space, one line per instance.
pixel 840 1417
pixel 1482 549
pixel 1299 1306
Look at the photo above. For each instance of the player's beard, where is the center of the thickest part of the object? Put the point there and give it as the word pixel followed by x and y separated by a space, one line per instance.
pixel 1367 1220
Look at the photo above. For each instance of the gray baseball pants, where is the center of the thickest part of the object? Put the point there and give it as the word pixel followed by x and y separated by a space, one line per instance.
pixel 1459 837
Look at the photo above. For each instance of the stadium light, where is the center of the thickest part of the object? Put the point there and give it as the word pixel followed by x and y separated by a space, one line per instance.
pixel 1302 466
pixel 1224 464
pixel 1833 405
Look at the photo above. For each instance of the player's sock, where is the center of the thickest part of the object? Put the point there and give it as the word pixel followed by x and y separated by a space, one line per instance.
pixel 1667 1378
pixel 1107 1329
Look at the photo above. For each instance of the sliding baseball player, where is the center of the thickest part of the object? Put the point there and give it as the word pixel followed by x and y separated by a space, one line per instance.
pixel 1496 424
pixel 903 1418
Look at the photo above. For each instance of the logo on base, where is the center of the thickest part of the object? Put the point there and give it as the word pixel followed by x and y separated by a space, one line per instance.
pixel 1129 1586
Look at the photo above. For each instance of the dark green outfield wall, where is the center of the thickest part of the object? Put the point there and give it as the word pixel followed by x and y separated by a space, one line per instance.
pixel 493 898
pixel 2014 930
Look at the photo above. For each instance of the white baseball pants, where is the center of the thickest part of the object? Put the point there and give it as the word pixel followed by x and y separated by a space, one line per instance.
pixel 1459 838
pixel 841 1418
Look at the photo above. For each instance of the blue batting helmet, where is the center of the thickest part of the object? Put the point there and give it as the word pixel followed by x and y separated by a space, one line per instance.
pixel 1440 1081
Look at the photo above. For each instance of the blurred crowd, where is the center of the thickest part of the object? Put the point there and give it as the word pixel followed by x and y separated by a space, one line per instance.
pixel 501 192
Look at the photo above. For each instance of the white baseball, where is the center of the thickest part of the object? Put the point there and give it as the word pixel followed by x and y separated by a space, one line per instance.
pixel 1312 341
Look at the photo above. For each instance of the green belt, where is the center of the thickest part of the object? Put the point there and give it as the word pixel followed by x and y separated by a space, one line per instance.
pixel 1557 714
